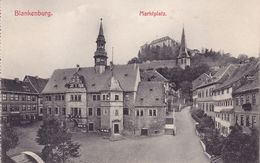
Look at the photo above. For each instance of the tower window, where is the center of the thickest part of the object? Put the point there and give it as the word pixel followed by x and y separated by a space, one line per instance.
pixel 116 97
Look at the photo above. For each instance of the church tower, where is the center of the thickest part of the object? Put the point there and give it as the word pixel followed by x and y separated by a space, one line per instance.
pixel 183 58
pixel 100 54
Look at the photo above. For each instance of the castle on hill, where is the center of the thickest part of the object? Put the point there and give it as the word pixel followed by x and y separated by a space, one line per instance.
pixel 166 52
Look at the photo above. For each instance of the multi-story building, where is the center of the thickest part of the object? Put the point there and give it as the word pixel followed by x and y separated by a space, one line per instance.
pixel 38 84
pixel 106 98
pixel 224 105
pixel 246 100
pixel 195 84
pixel 205 98
pixel 19 101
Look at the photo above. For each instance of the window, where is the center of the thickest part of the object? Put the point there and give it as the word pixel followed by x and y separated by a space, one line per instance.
pixel 98 112
pixel 242 120
pixel 94 97
pixel 23 108
pixel 150 112
pixel 227 90
pixel 11 97
pixel 79 113
pixel 98 97
pixel 241 100
pixel 56 110
pixel 253 99
pixel 75 97
pixel 4 97
pixel 49 110
pixel 116 112
pixel 247 121
pixel 48 98
pixel 247 99
pixel 253 121
pixel 63 111
pixel 41 111
pixel 90 111
pixel 4 107
pixel 23 98
pixel 154 112
pixel 125 111
pixel 16 97
pixel 104 97
pixel 141 113
pixel 222 91
pixel 137 112
pixel 116 97
pixel 34 107
pixel 33 98
pixel 28 98
pixel 62 97
pixel 28 107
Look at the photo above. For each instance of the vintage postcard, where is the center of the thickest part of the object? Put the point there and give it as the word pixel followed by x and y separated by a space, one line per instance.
pixel 134 81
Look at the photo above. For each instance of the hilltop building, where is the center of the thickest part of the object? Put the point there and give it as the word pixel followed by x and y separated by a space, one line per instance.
pixel 183 58
pixel 107 98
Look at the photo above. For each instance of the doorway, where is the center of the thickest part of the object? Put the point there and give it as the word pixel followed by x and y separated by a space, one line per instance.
pixel 91 127
pixel 116 128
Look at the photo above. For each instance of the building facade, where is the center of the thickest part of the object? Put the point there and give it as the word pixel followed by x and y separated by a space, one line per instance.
pixel 105 98
pixel 19 102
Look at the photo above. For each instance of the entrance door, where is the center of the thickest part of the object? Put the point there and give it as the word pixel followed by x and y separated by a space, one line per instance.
pixel 91 126
pixel 144 131
pixel 116 128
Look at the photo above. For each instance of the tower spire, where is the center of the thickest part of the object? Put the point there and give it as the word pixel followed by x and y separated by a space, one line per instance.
pixel 100 53
pixel 101 28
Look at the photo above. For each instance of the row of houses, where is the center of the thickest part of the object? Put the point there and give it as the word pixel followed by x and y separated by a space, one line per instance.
pixel 21 101
pixel 230 96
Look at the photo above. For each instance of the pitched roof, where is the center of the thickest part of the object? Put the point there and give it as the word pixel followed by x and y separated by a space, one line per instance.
pixel 150 94
pixel 112 85
pixel 158 64
pixel 239 73
pixel 252 85
pixel 197 82
pixel 221 75
pixel 152 75
pixel 161 40
pixel 37 83
pixel 14 85
pixel 94 82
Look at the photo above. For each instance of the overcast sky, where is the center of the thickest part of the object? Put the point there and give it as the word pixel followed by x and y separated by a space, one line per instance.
pixel 39 45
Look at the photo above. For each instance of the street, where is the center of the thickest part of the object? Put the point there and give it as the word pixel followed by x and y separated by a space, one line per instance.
pixel 182 148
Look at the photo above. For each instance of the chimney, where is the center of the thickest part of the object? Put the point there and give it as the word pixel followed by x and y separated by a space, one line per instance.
pixel 16 79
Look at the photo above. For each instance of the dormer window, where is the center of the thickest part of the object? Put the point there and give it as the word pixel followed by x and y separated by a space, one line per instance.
pixel 151 89
pixel 126 75
pixel 157 99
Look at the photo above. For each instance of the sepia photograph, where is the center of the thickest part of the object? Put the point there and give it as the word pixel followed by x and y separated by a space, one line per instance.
pixel 133 81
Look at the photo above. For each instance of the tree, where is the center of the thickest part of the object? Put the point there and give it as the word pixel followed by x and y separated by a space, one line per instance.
pixel 58 146
pixel 9 140
pixel 240 147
